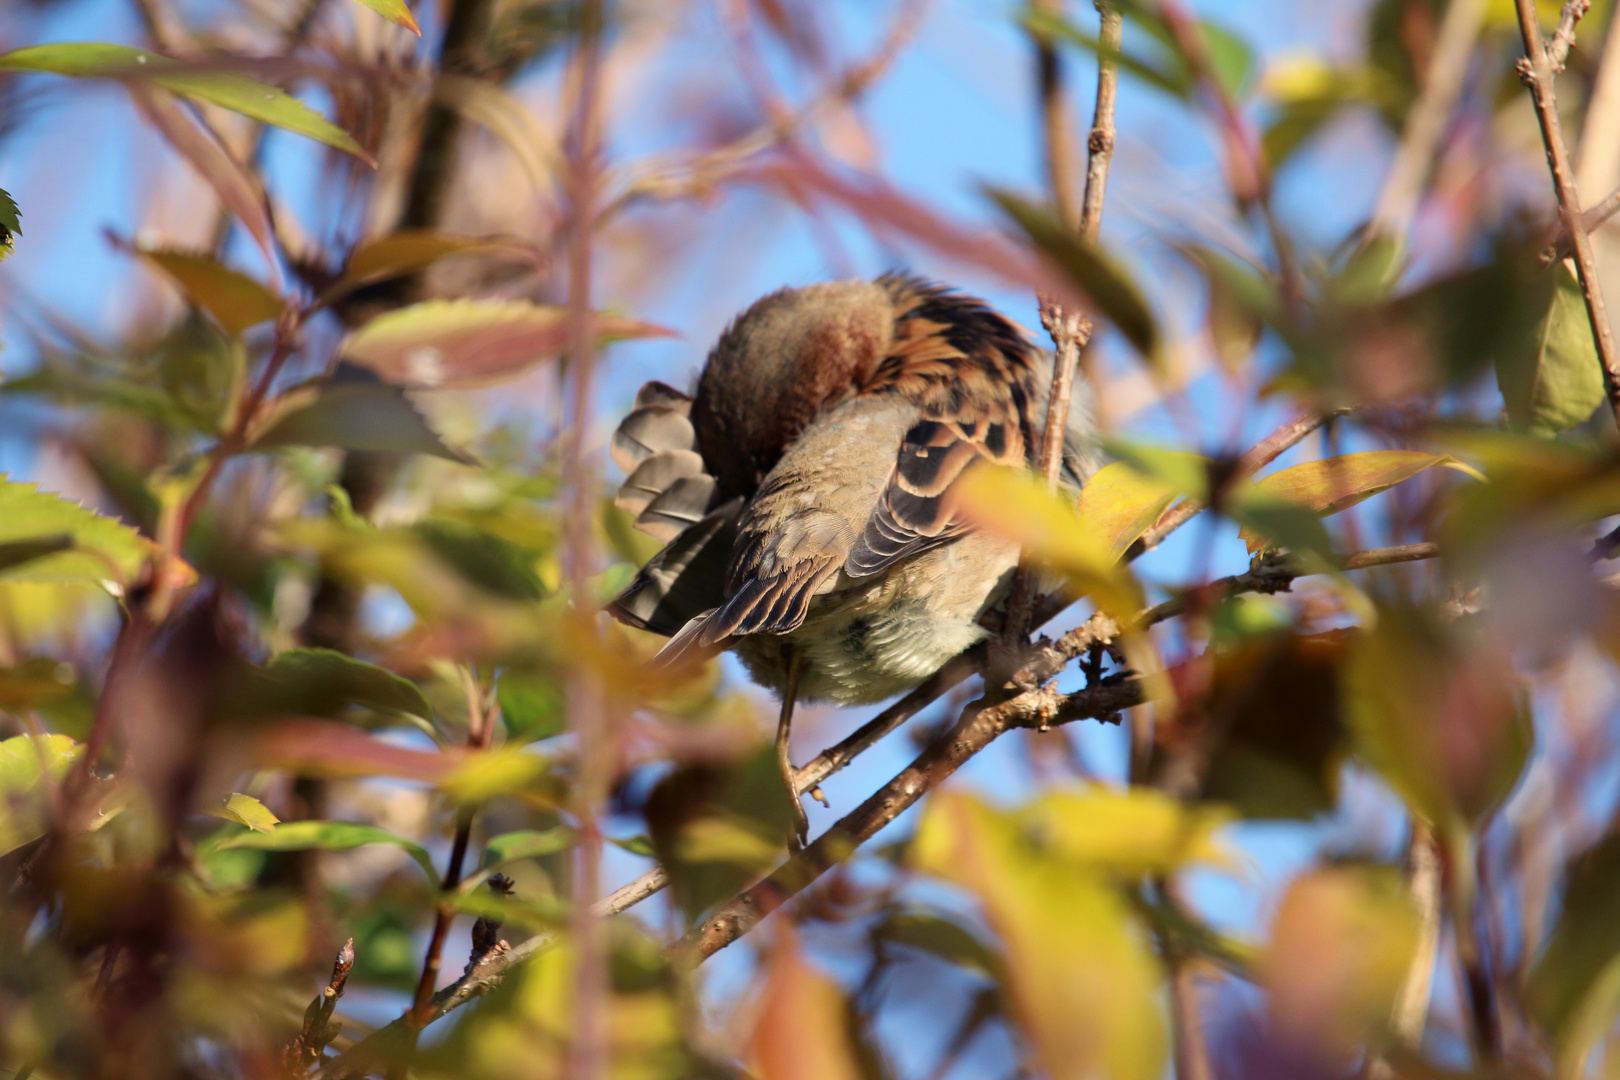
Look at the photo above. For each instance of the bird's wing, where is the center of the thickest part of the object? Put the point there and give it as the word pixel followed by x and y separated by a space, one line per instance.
pixel 971 374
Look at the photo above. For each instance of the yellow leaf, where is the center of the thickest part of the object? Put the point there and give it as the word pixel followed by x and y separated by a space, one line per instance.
pixel 1084 985
pixel 246 810
pixel 1015 505
pixel 234 299
pixel 1127 833
pixel 1119 504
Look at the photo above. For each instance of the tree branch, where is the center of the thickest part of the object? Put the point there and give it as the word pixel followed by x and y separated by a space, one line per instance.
pixel 1536 69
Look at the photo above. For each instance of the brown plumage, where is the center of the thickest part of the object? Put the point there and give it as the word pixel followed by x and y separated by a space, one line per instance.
pixel 805 489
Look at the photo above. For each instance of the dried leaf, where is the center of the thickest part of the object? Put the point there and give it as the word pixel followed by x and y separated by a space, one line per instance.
pixel 404 252
pixel 1328 485
pixel 1118 504
pixel 1574 988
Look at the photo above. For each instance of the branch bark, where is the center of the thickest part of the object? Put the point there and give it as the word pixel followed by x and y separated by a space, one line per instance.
pixel 1537 71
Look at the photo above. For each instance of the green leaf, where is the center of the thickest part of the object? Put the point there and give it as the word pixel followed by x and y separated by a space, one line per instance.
pixel 27 763
pixel 237 93
pixel 472 342
pixel 1273 522
pixel 10 224
pixel 1574 988
pixel 1439 714
pixel 1553 381
pixel 527 844
pixel 102 549
pixel 246 810
pixel 320 682
pixel 1091 269
pixel 1172 78
pixel 1231 61
pixel 635 845
pixel 396 12
pixel 328 836
pixel 531 706
pixel 355 414
pixel 16 552
pixel 940 937
pixel 234 299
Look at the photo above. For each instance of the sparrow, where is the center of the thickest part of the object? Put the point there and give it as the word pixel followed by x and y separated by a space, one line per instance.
pixel 804 491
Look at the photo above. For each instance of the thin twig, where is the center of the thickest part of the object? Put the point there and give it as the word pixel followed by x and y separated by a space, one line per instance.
pixel 1536 70
pixel 1563 38
pixel 1592 217
pixel 1411 1011
pixel 1070 331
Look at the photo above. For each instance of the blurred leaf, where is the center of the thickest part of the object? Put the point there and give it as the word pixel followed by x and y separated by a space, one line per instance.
pixel 102 550
pixel 10 224
pixel 237 93
pixel 485 560
pixel 1271 522
pixel 635 845
pixel 1015 505
pixel 1091 269
pixel 328 836
pixel 1163 72
pixel 1119 504
pixel 1574 988
pixel 1328 485
pixel 1275 697
pixel 1340 948
pixel 504 770
pixel 353 414
pixel 404 252
pixel 531 706
pixel 801 1031
pixel 1369 272
pixel 238 187
pixel 1184 473
pixel 16 552
pixel 718 827
pixel 396 12
pixel 322 682
pixel 1553 381
pixel 472 342
pixel 35 682
pixel 231 297
pixel 27 764
pixel 203 373
pixel 526 844
pixel 1439 715
pixel 1231 61
pixel 527 1025
pixel 1125 834
pixel 1082 982
pixel 246 810
pixel 1554 485
pixel 940 937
